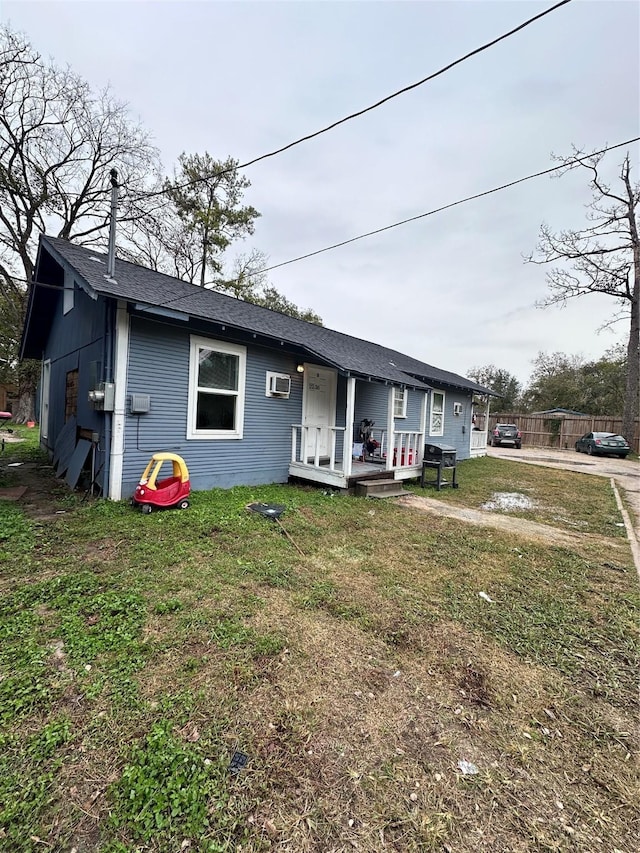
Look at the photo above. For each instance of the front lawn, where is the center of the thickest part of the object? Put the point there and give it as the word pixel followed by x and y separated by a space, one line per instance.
pixel 568 500
pixel 379 701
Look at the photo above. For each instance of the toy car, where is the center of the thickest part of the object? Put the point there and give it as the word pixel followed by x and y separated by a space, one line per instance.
pixel 170 492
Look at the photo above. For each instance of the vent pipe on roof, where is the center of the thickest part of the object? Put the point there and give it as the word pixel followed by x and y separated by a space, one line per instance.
pixel 111 253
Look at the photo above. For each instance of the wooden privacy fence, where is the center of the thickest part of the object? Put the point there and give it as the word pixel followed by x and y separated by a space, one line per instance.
pixel 557 431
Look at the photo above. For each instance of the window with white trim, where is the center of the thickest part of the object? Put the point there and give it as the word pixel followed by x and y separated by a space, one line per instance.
pixel 45 383
pixel 436 426
pixel 399 402
pixel 217 372
pixel 67 296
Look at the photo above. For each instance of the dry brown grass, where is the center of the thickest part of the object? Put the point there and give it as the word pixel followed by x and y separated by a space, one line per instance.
pixel 355 679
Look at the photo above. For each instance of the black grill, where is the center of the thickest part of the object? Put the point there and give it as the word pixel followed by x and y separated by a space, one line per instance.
pixel 442 453
pixel 439 457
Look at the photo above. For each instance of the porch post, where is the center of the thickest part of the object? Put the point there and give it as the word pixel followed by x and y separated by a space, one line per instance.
pixel 391 443
pixel 347 444
pixel 423 427
pixel 486 421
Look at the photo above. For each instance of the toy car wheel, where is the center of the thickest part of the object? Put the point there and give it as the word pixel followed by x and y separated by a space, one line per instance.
pixel 183 505
pixel 146 508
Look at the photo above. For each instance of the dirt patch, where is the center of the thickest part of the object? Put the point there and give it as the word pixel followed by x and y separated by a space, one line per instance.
pixel 41 492
pixel 12 494
pixel 624 472
pixel 531 530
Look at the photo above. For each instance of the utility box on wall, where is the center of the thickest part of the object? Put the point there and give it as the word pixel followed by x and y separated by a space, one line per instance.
pixel 103 397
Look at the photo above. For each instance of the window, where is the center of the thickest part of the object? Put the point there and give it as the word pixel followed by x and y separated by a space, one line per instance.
pixel 216 389
pixel 437 413
pixel 71 395
pixel 67 296
pixel 44 398
pixel 399 403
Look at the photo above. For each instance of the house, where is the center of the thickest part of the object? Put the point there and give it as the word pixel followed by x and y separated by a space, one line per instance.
pixel 138 362
pixel 559 412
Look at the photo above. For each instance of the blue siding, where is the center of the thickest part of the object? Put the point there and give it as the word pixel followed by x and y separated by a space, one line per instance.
pixel 75 340
pixel 159 366
pixel 457 428
pixel 412 420
pixel 372 402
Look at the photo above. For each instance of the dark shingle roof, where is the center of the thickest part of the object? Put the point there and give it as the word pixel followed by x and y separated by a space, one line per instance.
pixel 145 286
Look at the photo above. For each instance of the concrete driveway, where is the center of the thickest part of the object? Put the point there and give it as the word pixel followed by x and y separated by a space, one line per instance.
pixel 625 473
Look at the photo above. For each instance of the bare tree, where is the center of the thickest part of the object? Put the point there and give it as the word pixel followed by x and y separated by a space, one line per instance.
pixel 250 283
pixel 58 141
pixel 160 241
pixel 603 257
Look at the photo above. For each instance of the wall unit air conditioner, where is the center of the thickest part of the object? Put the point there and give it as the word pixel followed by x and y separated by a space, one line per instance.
pixel 278 385
pixel 457 408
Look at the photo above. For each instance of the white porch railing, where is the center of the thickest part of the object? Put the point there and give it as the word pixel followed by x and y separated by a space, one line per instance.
pixel 478 442
pixel 406 450
pixel 307 441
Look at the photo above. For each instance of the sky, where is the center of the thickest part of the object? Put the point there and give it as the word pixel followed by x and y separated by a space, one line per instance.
pixel 243 78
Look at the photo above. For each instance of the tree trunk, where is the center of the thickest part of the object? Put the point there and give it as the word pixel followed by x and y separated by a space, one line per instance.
pixel 24 409
pixel 28 376
pixel 632 391
pixel 630 412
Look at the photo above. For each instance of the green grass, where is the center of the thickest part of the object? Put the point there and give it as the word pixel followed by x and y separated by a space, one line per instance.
pixel 27 779
pixel 138 653
pixel 168 791
pixel 570 501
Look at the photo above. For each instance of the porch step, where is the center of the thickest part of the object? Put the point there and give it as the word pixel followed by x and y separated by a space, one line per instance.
pixel 379 489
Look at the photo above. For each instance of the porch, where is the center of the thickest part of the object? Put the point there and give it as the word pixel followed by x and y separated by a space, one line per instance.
pixel 478 443
pixel 328 448
pixel 401 459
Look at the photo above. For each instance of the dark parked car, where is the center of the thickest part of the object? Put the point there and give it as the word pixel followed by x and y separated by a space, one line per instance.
pixel 605 443
pixel 505 434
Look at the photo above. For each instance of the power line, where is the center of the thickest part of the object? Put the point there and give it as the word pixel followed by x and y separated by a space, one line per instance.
pixel 361 112
pixel 429 212
pixel 401 222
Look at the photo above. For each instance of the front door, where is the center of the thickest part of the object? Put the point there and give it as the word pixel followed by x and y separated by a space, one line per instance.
pixel 318 409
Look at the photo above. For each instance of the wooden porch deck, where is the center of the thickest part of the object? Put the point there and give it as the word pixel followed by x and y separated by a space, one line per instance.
pixel 360 471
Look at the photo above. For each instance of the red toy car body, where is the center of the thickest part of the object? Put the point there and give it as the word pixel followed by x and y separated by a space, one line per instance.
pixel 170 492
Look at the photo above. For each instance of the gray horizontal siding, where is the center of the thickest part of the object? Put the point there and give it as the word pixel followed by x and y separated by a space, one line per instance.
pixel 457 428
pixel 159 366
pixel 372 403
